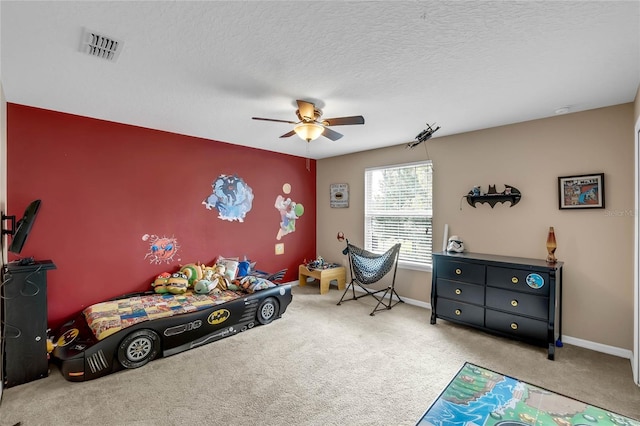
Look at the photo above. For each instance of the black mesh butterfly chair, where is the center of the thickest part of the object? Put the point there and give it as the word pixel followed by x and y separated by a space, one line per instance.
pixel 368 268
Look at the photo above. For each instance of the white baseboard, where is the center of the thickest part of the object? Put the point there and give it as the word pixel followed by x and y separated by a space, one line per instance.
pixel 418 303
pixel 598 347
pixel 594 346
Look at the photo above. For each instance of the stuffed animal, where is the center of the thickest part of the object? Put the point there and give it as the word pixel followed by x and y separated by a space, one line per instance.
pixel 206 285
pixel 233 285
pixel 193 271
pixel 178 283
pixel 208 272
pixel 245 267
pixel 220 269
pixel 213 281
pixel 251 284
pixel 221 280
pixel 160 283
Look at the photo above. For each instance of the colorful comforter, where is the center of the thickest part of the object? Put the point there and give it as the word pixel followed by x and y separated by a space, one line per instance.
pixel 106 318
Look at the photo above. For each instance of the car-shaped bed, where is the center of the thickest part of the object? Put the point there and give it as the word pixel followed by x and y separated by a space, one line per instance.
pixel 132 330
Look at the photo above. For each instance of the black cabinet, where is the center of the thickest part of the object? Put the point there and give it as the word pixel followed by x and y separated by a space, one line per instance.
pixel 24 312
pixel 510 296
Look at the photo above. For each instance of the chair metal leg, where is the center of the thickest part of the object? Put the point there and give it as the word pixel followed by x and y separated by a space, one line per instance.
pixel 391 291
pixel 353 289
pixel 354 296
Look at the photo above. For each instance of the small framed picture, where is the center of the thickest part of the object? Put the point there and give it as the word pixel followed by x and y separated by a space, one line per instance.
pixel 581 192
pixel 339 195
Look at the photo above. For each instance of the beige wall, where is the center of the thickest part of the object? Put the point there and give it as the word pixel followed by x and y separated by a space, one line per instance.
pixel 596 245
pixel 637 105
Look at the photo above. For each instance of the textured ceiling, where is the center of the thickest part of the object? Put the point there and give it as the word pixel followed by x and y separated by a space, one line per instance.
pixel 205 68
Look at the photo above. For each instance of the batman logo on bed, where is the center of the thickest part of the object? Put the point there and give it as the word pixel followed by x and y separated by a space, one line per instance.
pixel 219 316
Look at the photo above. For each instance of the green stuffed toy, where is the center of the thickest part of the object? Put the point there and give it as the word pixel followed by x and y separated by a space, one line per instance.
pixel 193 271
pixel 213 281
pixel 205 285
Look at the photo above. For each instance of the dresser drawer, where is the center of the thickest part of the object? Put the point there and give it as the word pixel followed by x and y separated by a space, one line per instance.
pixel 525 328
pixel 460 311
pixel 461 271
pixel 519 280
pixel 462 292
pixel 518 303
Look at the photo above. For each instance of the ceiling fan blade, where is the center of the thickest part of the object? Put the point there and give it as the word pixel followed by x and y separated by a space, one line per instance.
pixel 331 134
pixel 273 119
pixel 306 109
pixel 343 121
pixel 288 134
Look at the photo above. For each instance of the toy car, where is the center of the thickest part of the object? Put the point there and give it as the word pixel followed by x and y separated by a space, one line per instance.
pixel 166 330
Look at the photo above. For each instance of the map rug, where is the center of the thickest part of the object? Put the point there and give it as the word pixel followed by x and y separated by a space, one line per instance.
pixel 481 397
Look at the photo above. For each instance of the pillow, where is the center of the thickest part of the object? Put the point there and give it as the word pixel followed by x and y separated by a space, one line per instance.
pixel 231 266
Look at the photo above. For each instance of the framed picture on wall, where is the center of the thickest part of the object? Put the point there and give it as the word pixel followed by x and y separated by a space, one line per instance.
pixel 339 195
pixel 581 192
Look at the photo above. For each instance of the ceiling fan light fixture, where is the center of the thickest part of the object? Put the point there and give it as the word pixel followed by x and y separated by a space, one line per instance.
pixel 308 131
pixel 310 127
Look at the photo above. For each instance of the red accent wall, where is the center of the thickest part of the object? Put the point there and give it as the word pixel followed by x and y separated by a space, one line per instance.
pixel 105 185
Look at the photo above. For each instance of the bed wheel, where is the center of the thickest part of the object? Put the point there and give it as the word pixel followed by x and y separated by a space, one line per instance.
pixel 268 310
pixel 138 348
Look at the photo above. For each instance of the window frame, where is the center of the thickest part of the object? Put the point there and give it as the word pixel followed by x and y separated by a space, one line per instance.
pixel 368 215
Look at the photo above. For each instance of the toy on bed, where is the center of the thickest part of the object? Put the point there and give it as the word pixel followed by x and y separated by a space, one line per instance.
pixel 178 283
pixel 251 283
pixel 175 283
pixel 206 285
pixel 160 283
pixel 224 274
pixel 245 267
pixel 193 271
pixel 213 281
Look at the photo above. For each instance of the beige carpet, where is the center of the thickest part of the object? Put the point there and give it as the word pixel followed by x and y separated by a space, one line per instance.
pixel 320 364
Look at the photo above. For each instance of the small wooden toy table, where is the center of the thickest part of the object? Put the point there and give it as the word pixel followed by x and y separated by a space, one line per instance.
pixel 325 276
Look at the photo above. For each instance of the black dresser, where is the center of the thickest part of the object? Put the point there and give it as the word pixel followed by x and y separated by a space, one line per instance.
pixel 509 296
pixel 24 311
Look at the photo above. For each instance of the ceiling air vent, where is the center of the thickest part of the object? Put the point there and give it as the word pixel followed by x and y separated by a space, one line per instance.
pixel 99 45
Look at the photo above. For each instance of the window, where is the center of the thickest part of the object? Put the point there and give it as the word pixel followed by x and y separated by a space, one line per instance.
pixel 398 208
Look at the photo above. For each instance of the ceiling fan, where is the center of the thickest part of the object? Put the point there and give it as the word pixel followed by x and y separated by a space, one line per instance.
pixel 311 124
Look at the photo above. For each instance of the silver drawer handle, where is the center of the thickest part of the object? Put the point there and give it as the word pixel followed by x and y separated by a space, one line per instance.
pixel 458 291
pixel 514 326
pixel 514 280
pixel 514 303
pixel 458 271
pixel 458 312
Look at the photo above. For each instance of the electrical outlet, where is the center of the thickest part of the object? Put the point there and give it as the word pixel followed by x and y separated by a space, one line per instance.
pixel 280 248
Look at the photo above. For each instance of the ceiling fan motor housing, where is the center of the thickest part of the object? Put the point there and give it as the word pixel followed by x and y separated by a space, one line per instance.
pixel 317 113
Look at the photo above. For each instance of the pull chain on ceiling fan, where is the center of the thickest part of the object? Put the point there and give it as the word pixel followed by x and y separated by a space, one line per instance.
pixel 311 125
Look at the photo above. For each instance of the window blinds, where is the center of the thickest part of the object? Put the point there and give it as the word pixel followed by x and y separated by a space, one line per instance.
pixel 398 208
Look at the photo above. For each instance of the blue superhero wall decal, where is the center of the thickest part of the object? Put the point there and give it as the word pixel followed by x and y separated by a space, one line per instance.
pixel 231 197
